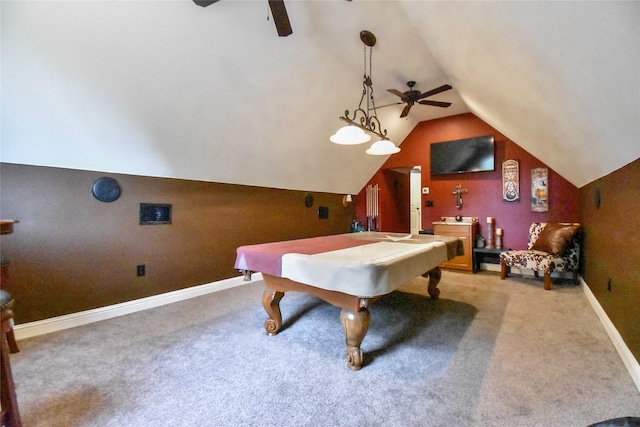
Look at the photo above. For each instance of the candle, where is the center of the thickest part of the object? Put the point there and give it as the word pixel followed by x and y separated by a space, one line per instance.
pixel 499 231
pixel 490 240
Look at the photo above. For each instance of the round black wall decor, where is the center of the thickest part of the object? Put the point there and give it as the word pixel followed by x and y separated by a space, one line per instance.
pixel 106 189
pixel 308 200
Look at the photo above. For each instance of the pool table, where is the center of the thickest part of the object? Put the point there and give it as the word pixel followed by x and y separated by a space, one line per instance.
pixel 349 271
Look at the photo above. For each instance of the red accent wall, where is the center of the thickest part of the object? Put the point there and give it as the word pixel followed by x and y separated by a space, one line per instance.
pixel 484 197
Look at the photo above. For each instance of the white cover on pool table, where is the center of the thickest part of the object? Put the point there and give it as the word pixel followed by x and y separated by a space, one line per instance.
pixel 365 271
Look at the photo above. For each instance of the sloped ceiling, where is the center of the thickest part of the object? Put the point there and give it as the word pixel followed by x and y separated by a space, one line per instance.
pixel 561 79
pixel 167 88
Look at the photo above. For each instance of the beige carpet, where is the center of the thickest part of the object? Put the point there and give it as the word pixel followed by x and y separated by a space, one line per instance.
pixel 487 353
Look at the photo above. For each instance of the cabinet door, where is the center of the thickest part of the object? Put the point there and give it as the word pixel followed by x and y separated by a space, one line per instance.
pixel 465 233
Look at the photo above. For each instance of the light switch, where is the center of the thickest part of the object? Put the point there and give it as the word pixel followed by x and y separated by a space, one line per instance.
pixel 425 190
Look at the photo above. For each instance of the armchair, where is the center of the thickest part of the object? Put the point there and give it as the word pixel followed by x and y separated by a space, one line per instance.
pixel 551 247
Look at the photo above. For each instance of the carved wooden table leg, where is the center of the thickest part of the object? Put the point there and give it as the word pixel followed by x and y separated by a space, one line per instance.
pixel 434 278
pixel 271 303
pixel 356 325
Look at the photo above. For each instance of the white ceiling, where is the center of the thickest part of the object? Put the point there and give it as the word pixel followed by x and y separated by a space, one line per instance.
pixel 167 88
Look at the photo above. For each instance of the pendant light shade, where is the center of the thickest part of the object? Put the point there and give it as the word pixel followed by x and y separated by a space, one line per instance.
pixel 384 147
pixel 349 135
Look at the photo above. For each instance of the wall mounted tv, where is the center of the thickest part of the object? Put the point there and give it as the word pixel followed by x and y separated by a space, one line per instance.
pixel 463 155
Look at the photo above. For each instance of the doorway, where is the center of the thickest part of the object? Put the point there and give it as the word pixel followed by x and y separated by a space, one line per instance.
pixel 415 198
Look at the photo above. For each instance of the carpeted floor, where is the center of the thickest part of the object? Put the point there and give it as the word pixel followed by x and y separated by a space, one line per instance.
pixel 487 353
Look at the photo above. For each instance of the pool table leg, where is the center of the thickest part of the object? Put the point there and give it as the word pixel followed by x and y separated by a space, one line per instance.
pixel 271 303
pixel 434 278
pixel 356 325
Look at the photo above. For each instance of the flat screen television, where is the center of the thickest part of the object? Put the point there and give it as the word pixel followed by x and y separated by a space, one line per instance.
pixel 463 155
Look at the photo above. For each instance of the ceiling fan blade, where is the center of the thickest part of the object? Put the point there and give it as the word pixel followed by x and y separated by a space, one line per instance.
pixel 396 92
pixel 280 17
pixel 435 103
pixel 405 111
pixel 389 105
pixel 435 91
pixel 205 3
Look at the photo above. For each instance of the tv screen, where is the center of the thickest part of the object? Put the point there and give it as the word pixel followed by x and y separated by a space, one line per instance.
pixel 463 155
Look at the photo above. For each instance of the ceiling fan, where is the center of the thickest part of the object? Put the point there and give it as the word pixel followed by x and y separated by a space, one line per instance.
pixel 412 96
pixel 278 11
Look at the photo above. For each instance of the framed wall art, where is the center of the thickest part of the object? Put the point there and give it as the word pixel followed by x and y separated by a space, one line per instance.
pixel 539 190
pixel 154 213
pixel 510 180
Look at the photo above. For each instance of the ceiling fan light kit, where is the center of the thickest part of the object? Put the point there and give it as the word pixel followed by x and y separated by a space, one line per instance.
pixel 361 121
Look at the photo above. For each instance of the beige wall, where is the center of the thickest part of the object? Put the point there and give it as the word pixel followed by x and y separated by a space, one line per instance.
pixel 71 252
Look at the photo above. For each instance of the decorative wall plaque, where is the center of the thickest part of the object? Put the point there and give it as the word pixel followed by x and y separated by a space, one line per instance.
pixel 539 190
pixel 510 180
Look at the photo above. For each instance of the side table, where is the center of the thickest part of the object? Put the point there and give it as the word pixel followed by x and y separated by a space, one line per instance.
pixel 480 253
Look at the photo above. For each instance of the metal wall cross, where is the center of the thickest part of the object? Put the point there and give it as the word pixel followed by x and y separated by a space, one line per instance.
pixel 458 192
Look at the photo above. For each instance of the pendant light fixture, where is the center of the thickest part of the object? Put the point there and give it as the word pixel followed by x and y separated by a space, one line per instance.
pixel 365 119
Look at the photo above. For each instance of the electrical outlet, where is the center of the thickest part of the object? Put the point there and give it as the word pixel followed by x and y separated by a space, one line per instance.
pixel 140 270
pixel 428 203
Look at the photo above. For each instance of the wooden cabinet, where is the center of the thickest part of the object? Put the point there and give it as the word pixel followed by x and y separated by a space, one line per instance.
pixel 466 231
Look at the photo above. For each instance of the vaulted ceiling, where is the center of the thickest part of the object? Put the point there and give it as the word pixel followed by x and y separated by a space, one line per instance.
pixel 167 88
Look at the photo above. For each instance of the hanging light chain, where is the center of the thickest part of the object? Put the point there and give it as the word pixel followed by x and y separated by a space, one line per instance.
pixel 368 122
pixel 373 102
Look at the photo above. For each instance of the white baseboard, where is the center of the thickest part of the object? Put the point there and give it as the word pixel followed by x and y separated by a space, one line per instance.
pixel 489 267
pixel 40 327
pixel 627 357
pixel 524 272
pixel 531 273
